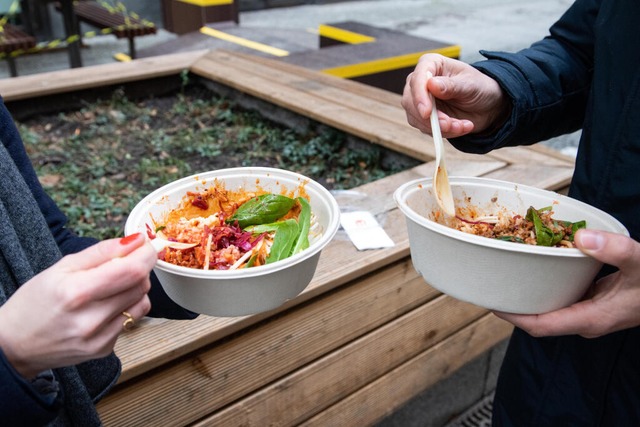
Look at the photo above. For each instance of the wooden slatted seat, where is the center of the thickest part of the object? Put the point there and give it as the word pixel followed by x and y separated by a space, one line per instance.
pixel 121 25
pixel 367 334
pixel 14 41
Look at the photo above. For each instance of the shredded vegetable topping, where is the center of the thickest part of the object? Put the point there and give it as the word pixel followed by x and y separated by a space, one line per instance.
pixel 537 227
pixel 235 229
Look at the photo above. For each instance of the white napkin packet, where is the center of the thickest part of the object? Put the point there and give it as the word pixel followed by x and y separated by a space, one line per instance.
pixel 364 231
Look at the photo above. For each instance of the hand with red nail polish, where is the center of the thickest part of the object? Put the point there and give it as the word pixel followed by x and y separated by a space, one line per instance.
pixel 79 303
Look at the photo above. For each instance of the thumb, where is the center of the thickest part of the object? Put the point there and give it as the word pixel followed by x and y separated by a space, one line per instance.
pixel 610 248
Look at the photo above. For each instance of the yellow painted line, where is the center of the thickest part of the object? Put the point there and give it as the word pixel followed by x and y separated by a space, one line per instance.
pixel 206 3
pixel 344 36
pixel 122 57
pixel 388 64
pixel 243 42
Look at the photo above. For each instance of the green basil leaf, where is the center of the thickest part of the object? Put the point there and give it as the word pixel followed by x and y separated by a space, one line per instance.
pixel 544 235
pixel 262 210
pixel 304 224
pixel 577 226
pixel 283 239
pixel 514 239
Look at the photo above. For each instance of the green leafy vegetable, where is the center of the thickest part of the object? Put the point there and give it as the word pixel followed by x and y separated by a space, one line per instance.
pixel 262 210
pixel 545 236
pixel 514 239
pixel 575 226
pixel 304 223
pixel 285 235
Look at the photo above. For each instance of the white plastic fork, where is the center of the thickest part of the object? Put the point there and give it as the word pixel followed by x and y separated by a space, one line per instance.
pixel 159 244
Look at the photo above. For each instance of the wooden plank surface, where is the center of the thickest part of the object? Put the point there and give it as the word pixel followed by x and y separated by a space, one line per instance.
pixel 319 385
pixel 308 103
pixel 368 309
pixel 367 112
pixel 327 101
pixel 55 82
pixel 398 386
pixel 235 367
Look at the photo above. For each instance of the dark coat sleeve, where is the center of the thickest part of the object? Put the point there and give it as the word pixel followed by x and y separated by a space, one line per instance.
pixel 67 240
pixel 547 81
pixel 21 403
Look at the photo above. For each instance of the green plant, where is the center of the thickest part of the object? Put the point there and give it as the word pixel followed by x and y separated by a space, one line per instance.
pixel 99 161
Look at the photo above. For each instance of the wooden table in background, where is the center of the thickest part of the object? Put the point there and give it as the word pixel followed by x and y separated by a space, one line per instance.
pixel 366 335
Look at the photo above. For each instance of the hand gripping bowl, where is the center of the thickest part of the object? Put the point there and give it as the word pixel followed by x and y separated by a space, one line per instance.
pixel 244 291
pixel 499 275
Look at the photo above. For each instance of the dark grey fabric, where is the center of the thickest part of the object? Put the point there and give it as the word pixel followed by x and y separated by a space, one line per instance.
pixel 26 248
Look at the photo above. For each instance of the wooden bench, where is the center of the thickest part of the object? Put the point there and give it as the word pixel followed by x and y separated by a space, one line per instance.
pixel 14 42
pixel 117 23
pixel 366 335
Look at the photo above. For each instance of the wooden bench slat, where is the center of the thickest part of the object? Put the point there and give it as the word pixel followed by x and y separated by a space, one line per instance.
pixel 234 368
pixel 380 104
pixel 97 15
pixel 88 77
pixel 379 398
pixel 12 39
pixel 120 24
pixel 352 113
pixel 314 388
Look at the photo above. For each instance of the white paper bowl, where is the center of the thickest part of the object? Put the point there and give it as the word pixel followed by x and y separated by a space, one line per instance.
pixel 498 275
pixel 246 291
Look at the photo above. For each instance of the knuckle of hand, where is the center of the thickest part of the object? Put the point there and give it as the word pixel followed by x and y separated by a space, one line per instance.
pixel 146 305
pixel 74 297
pixel 87 330
pixel 137 272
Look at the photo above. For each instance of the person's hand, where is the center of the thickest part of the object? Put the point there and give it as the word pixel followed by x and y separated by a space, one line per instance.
pixel 611 304
pixel 72 311
pixel 468 101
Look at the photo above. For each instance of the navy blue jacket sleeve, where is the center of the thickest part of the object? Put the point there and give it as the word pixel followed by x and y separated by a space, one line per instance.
pixel 67 240
pixel 20 402
pixel 548 80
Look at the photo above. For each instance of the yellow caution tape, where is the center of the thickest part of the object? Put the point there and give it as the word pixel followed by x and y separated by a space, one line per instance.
pixel 243 42
pixel 344 36
pixel 119 8
pixel 387 64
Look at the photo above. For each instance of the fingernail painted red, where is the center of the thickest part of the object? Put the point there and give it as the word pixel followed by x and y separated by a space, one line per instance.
pixel 130 238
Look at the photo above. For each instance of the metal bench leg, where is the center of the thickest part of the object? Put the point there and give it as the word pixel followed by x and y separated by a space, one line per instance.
pixel 132 47
pixel 13 71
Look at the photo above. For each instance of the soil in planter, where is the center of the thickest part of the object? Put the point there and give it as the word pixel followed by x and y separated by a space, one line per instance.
pixel 99 161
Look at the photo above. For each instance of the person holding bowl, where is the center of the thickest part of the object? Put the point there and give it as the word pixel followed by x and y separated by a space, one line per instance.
pixel 64 300
pixel 579 365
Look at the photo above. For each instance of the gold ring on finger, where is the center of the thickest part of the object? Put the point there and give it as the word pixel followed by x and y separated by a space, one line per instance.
pixel 129 322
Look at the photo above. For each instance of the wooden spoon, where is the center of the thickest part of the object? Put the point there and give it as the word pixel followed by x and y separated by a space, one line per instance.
pixel 440 176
